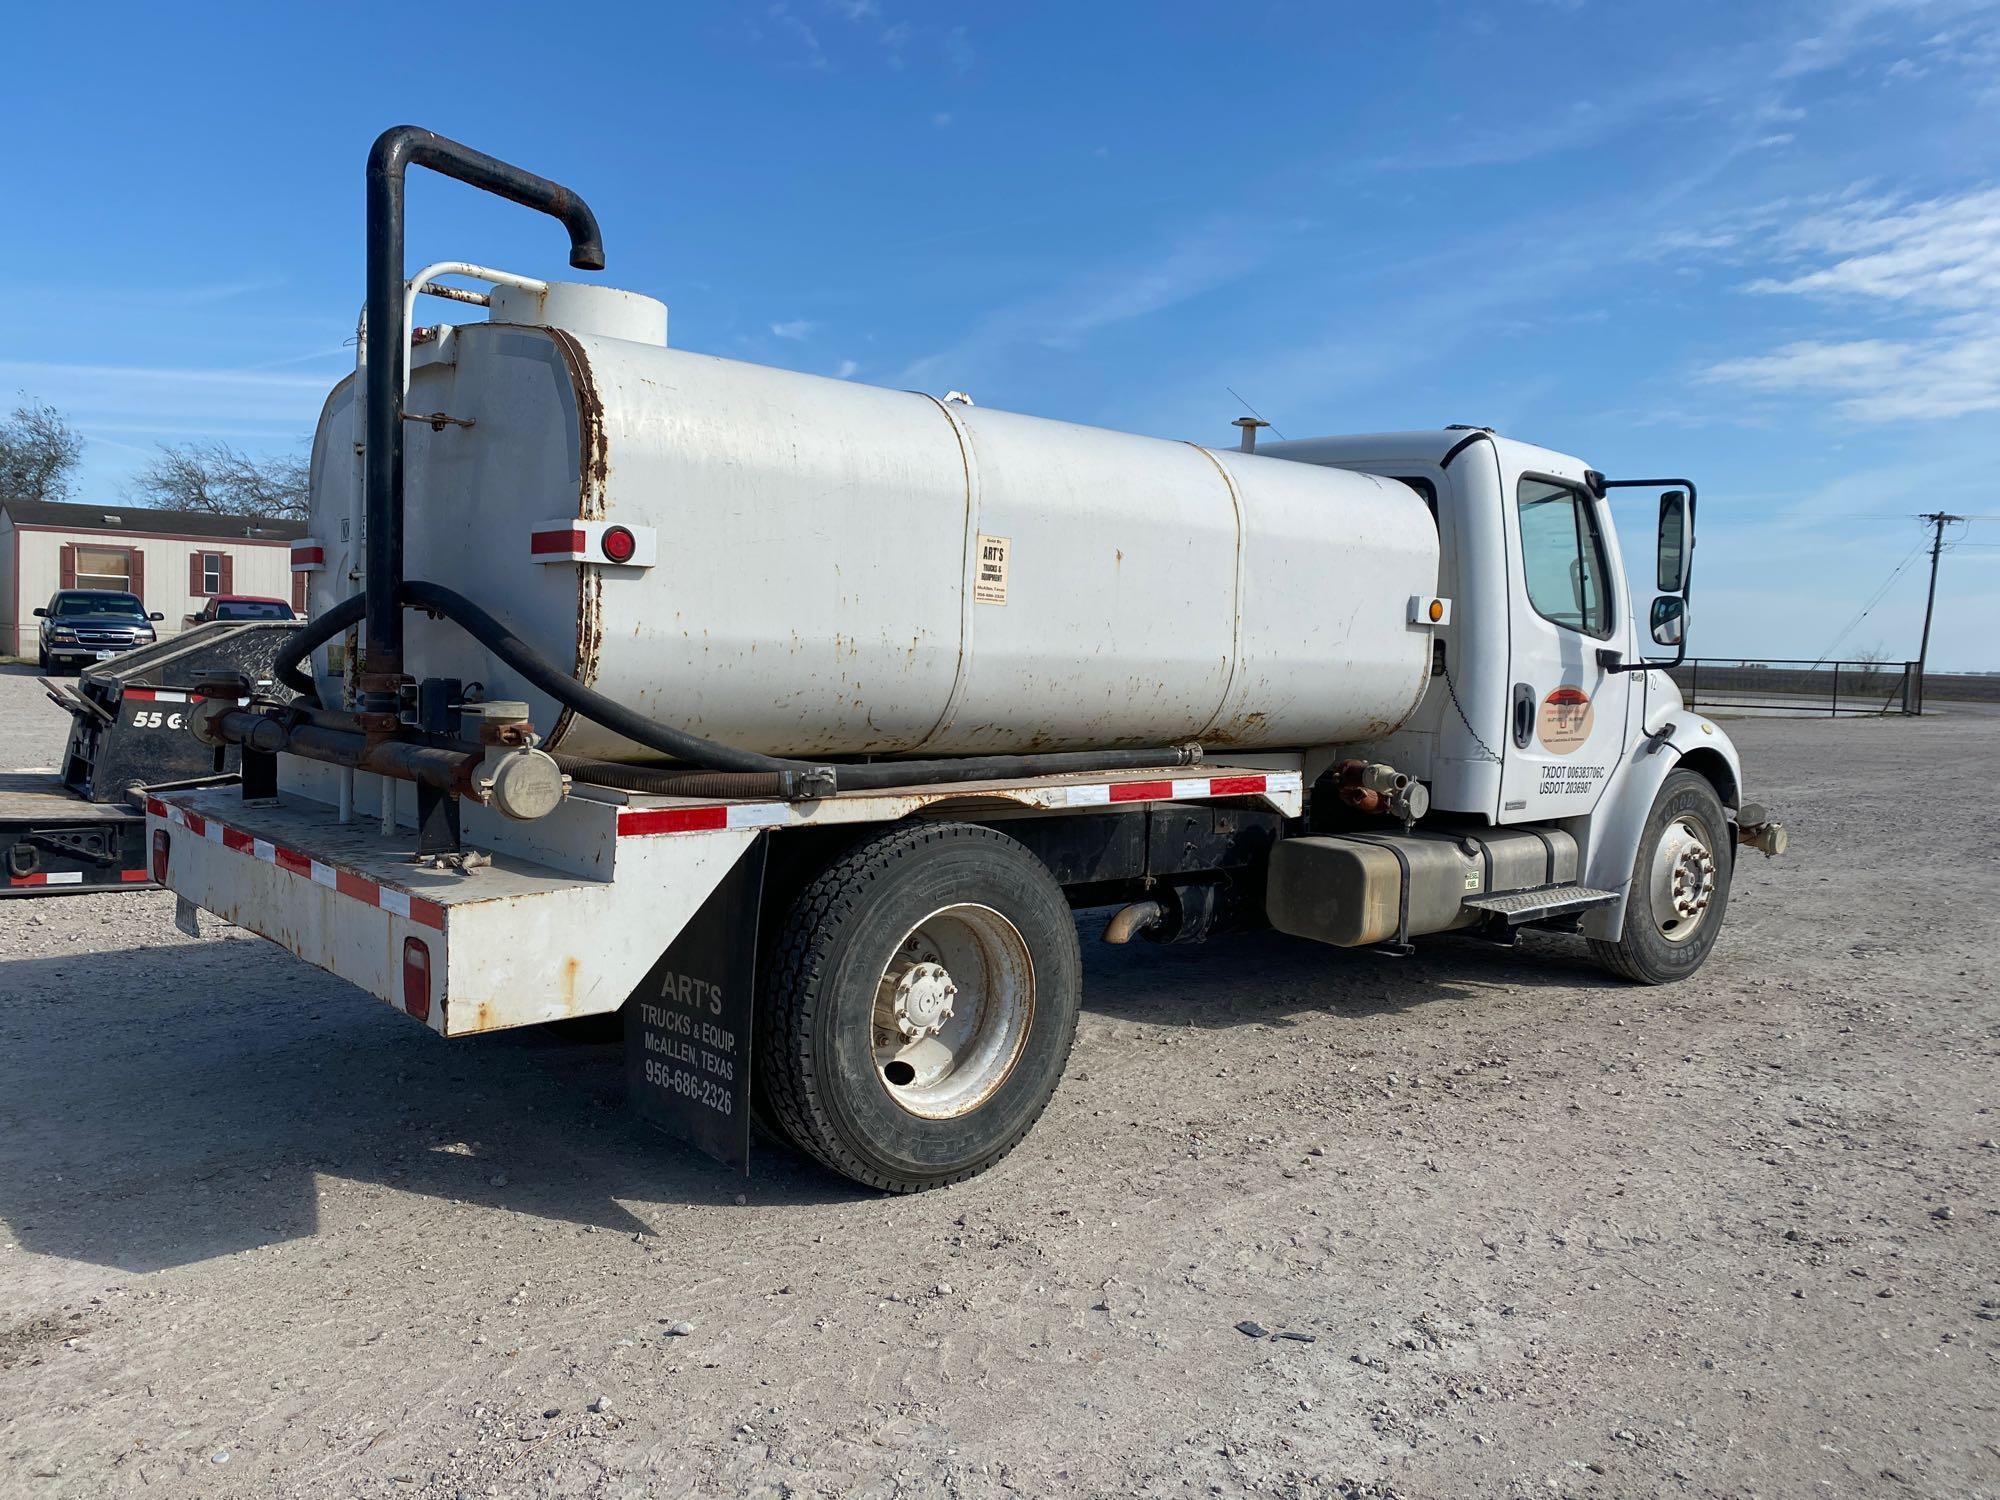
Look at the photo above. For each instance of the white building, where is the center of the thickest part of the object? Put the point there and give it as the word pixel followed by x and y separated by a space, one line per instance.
pixel 174 560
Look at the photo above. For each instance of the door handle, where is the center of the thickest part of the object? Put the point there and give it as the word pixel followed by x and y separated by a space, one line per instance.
pixel 1524 714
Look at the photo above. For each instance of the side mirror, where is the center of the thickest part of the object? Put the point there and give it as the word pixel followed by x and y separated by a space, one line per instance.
pixel 156 615
pixel 40 613
pixel 1673 547
pixel 1670 620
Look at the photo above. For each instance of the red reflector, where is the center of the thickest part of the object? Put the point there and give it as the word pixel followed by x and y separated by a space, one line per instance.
pixel 1234 786
pixel 619 544
pixel 159 856
pixel 417 978
pixel 551 542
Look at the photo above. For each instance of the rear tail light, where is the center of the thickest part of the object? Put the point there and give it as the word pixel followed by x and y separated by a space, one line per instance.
pixel 619 544
pixel 160 856
pixel 417 978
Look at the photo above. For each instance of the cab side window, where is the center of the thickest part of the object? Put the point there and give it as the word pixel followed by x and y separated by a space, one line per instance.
pixel 1562 557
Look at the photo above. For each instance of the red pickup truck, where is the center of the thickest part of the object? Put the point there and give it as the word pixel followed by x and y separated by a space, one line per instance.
pixel 241 607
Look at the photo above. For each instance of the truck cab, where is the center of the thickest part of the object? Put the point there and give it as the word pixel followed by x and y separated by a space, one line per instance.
pixel 1542 708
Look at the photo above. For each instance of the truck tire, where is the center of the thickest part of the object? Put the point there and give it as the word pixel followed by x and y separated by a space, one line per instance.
pixel 1680 886
pixel 919 1005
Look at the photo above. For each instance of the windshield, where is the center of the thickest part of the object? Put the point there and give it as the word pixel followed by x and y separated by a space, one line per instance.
pixel 253 609
pixel 70 605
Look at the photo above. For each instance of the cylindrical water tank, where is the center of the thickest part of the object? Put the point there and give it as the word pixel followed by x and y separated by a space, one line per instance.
pixel 839 569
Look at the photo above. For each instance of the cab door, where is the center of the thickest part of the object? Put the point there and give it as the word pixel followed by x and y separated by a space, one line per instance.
pixel 1566 709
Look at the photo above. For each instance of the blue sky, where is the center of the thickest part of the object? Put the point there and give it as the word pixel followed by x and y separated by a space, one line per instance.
pixel 1758 244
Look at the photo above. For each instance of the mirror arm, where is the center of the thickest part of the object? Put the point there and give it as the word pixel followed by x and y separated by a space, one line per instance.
pixel 1687 576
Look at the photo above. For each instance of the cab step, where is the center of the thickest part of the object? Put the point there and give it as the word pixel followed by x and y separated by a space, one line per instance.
pixel 1518 908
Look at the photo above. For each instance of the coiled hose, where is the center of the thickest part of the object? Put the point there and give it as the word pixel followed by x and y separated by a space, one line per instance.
pixel 718 770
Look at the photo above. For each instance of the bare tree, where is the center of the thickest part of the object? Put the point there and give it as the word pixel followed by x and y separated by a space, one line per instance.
pixel 214 478
pixel 39 451
pixel 1871 661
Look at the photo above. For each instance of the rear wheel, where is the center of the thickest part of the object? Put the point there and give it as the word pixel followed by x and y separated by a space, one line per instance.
pixel 1680 886
pixel 919 1005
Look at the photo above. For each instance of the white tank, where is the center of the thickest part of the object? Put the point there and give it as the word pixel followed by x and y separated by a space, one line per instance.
pixel 839 569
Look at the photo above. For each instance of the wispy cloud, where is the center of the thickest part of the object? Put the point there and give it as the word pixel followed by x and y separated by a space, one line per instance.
pixel 1884 380
pixel 803 39
pixel 897 42
pixel 1931 267
pixel 1117 292
pixel 175 403
pixel 846 370
pixel 797 328
pixel 1941 253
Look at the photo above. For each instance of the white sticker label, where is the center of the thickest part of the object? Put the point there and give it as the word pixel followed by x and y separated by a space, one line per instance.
pixel 989 581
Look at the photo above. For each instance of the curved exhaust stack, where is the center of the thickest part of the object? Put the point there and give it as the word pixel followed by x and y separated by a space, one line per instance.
pixel 394 151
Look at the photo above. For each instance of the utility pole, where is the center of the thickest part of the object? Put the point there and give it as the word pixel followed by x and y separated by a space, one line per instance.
pixel 1938 520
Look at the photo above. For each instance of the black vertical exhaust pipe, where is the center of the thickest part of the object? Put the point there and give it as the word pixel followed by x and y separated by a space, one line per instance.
pixel 395 150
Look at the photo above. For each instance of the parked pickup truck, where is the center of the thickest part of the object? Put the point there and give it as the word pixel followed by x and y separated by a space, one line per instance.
pixel 240 607
pixel 86 625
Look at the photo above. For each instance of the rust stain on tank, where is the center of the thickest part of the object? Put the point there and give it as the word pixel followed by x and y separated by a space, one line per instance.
pixel 593 463
pixel 593 458
pixel 572 968
pixel 1241 729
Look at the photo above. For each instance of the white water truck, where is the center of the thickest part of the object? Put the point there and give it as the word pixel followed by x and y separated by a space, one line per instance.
pixel 792 720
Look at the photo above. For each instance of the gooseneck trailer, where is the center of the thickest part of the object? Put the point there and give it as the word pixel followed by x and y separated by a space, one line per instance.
pixel 792 720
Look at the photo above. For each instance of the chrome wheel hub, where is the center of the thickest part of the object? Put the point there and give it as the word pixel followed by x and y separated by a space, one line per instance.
pixel 953 1008
pixel 1682 881
pixel 923 1000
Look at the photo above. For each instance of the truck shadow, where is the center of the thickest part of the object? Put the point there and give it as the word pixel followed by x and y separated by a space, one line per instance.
pixel 1200 984
pixel 164 1106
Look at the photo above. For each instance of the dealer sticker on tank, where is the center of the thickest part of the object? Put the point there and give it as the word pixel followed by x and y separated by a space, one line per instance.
pixel 1564 722
pixel 989 583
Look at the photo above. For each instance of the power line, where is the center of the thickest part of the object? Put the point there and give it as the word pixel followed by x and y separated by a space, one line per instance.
pixel 1873 600
pixel 1254 412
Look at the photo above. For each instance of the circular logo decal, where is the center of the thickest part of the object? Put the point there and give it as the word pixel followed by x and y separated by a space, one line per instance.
pixel 1564 722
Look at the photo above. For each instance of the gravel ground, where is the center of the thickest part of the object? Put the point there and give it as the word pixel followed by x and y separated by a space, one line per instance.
pixel 1523 1230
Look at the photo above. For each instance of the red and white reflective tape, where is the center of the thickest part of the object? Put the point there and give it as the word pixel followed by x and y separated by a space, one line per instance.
pixel 357 887
pixel 158 695
pixel 72 877
pixel 610 542
pixel 308 555
pixel 639 822
pixel 1165 791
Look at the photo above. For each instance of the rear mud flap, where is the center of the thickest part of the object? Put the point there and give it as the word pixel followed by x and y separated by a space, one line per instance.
pixel 687 1025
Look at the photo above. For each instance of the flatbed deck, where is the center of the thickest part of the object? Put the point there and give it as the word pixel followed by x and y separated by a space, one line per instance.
pixel 54 842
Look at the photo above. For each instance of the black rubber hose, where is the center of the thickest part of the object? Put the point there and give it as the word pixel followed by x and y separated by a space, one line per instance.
pixel 671 781
pixel 291 656
pixel 593 705
pixel 750 773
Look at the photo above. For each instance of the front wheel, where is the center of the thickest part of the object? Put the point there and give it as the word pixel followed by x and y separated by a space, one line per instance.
pixel 919 1005
pixel 1680 886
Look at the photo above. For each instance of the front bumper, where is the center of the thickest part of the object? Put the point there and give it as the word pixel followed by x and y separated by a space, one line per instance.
pixel 70 652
